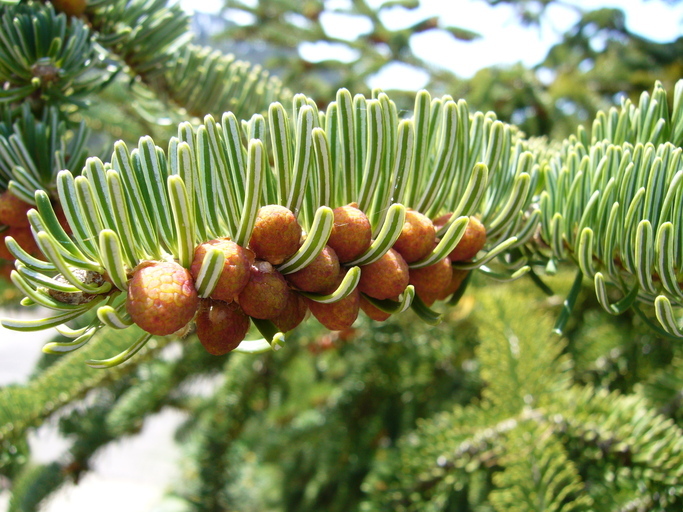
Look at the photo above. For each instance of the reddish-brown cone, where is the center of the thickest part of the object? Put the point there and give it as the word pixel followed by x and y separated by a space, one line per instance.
pixel 235 274
pixel 24 237
pixel 372 312
pixel 161 297
pixel 265 295
pixel 458 277
pixel 351 234
pixel 6 270
pixel 385 278
pixel 320 275
pixel 432 280
pixel 471 242
pixel 70 7
pixel 418 237
pixel 221 326
pixel 276 235
pixel 13 210
pixel 339 315
pixel 293 314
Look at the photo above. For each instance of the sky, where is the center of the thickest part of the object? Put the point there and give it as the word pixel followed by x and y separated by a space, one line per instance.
pixel 504 41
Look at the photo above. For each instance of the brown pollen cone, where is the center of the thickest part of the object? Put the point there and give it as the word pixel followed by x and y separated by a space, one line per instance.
pixel 293 313
pixel 339 315
pixel 417 238
pixel 385 278
pixel 13 210
pixel 235 274
pixel 6 270
pixel 24 237
pixel 161 298
pixel 373 312
pixel 265 295
pixel 70 7
pixel 458 277
pixel 320 275
pixel 351 234
pixel 471 242
pixel 432 280
pixel 221 326
pixel 276 235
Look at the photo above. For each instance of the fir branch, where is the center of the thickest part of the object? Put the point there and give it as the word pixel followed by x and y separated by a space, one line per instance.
pixel 33 485
pixel 46 58
pixel 109 202
pixel 613 205
pixel 615 447
pixel 159 383
pixel 151 38
pixel 217 429
pixel 203 81
pixel 66 380
pixel 522 362
pixel 33 150
pixel 538 474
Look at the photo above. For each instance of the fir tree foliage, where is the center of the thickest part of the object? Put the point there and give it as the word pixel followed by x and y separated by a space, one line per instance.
pixel 46 57
pixel 535 441
pixel 55 145
pixel 285 26
pixel 324 165
pixel 612 205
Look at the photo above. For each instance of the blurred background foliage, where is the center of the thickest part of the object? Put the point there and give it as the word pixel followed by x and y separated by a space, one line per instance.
pixel 595 63
pixel 488 411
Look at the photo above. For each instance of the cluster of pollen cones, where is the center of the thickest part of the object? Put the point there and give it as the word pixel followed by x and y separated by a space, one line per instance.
pixel 13 217
pixel 163 299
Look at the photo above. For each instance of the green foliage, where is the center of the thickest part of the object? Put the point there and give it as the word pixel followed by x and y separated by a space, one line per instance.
pixel 285 25
pixel 45 58
pixel 612 205
pixel 555 483
pixel 33 485
pixel 535 441
pixel 55 145
pixel 61 383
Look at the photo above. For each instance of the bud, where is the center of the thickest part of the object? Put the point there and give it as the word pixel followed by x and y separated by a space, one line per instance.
pixel 385 278
pixel 235 274
pixel 161 298
pixel 418 237
pixel 13 210
pixel 221 326
pixel 433 280
pixel 338 315
pixel 265 295
pixel 293 313
pixel 373 312
pixel 320 275
pixel 471 242
pixel 351 234
pixel 276 235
